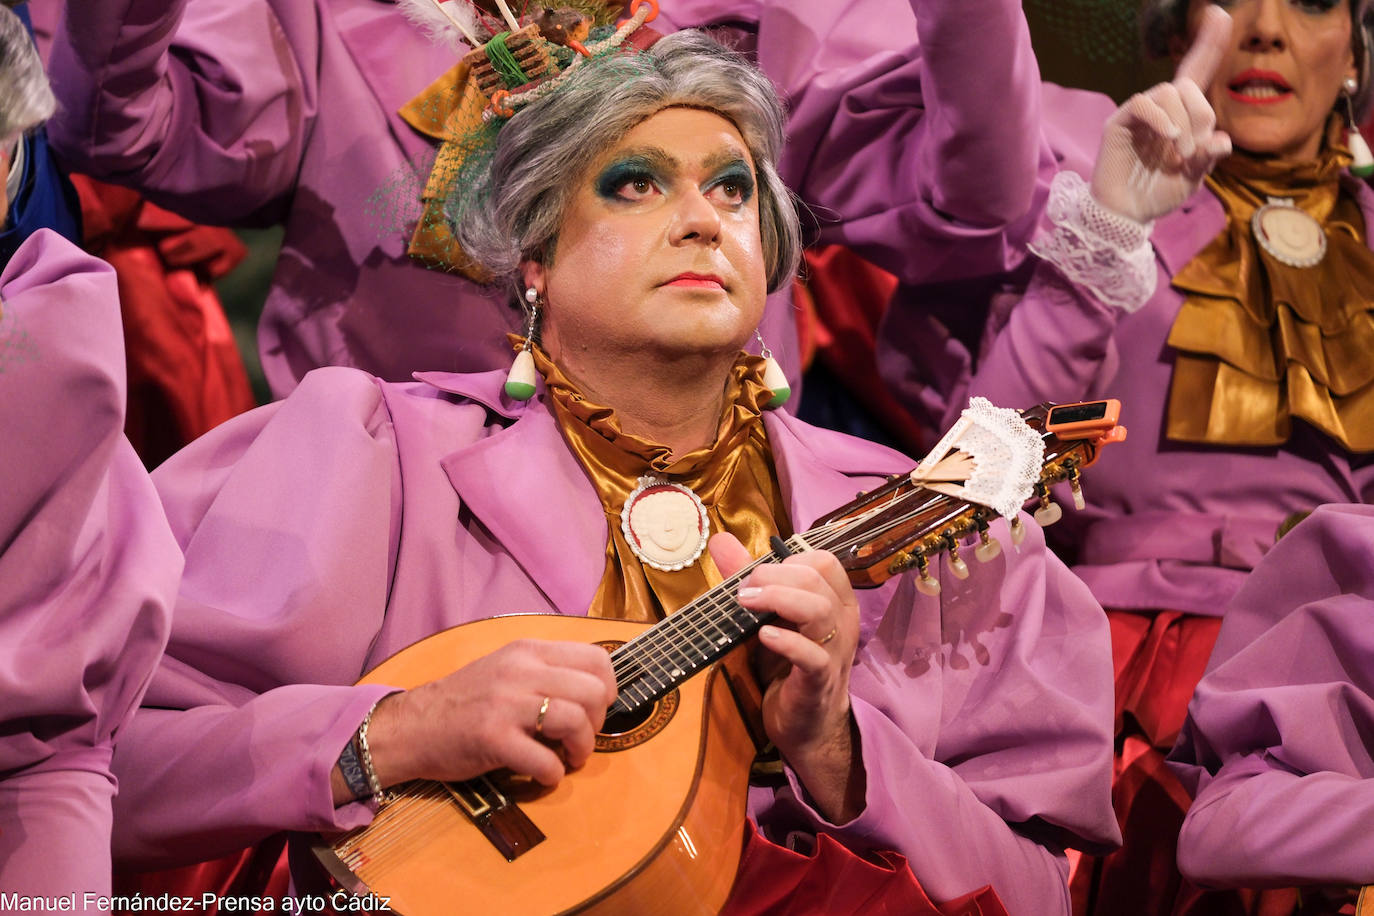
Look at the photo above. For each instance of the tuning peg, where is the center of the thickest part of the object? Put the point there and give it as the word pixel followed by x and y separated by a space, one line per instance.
pixel 926 584
pixel 1018 531
pixel 988 547
pixel 1048 513
pixel 955 562
pixel 1076 487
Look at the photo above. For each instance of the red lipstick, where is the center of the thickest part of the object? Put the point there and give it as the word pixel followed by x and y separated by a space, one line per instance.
pixel 1272 88
pixel 698 281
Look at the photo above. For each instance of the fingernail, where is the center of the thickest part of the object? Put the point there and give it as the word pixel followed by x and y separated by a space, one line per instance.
pixel 750 591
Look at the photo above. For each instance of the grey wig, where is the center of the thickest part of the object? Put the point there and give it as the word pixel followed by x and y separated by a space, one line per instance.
pixel 25 98
pixel 546 148
pixel 1164 23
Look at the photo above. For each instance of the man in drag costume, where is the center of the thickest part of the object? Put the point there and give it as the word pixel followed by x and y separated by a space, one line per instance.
pixel 931 752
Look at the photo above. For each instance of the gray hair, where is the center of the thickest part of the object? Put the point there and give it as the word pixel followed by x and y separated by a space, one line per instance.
pixel 25 98
pixel 544 150
pixel 1164 24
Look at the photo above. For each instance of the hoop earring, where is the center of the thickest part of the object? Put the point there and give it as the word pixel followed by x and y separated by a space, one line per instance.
pixel 773 377
pixel 520 379
pixel 1362 162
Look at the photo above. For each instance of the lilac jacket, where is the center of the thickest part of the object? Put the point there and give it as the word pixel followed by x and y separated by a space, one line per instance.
pixel 320 538
pixel 88 569
pixel 1277 740
pixel 920 153
pixel 1168 525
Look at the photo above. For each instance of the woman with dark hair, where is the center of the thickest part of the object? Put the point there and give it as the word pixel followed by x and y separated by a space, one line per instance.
pixel 928 748
pixel 1226 299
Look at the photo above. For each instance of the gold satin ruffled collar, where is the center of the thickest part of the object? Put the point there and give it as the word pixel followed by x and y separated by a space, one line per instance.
pixel 1259 341
pixel 733 477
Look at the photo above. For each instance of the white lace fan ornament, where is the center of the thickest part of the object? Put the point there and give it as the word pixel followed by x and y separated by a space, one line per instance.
pixel 990 456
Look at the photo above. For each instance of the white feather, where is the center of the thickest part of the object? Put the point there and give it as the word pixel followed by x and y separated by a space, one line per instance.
pixel 455 25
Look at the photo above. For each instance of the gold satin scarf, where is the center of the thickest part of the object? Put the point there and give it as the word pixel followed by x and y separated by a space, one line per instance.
pixel 733 476
pixel 1260 341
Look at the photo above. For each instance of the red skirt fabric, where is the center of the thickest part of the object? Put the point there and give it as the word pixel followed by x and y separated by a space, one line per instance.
pixel 1158 659
pixel 776 881
pixel 257 872
pixel 772 881
pixel 184 369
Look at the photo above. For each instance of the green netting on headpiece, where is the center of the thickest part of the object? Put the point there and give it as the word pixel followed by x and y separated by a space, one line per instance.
pixel 424 197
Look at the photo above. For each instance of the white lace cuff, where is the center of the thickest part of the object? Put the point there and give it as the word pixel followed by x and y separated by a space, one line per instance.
pixel 1109 255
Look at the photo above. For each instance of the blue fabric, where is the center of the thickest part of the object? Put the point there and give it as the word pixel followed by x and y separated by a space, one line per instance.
pixel 46 199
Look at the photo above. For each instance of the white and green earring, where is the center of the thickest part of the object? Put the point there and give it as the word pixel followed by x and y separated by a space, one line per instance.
pixel 520 380
pixel 1362 162
pixel 773 377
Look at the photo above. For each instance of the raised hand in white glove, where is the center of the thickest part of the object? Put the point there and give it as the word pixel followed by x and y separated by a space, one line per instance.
pixel 1158 146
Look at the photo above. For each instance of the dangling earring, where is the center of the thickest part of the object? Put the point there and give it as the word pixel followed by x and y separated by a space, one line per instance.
pixel 773 377
pixel 520 380
pixel 1362 162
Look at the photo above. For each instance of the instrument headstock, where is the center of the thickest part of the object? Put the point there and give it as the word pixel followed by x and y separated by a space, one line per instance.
pixel 903 523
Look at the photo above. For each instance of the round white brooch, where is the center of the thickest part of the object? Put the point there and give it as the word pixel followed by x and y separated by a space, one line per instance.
pixel 1289 234
pixel 665 524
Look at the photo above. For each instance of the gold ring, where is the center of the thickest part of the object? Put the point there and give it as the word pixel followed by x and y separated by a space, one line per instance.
pixel 828 636
pixel 539 719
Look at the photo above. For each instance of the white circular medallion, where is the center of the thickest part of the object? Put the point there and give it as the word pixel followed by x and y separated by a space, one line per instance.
pixel 1290 235
pixel 665 524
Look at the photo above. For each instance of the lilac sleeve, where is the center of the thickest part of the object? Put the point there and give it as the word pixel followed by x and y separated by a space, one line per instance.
pixel 1276 741
pixel 288 517
pixel 1018 656
pixel 914 129
pixel 87 565
pixel 1056 344
pixel 205 106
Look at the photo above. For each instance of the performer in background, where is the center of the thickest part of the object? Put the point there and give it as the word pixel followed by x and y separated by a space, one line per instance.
pixel 913 141
pixel 1230 308
pixel 88 565
pixel 1276 745
pixel 637 207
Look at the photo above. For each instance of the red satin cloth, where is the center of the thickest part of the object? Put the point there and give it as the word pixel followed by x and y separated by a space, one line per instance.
pixel 185 373
pixel 772 881
pixel 775 881
pixel 1158 659
pixel 842 300
pixel 257 872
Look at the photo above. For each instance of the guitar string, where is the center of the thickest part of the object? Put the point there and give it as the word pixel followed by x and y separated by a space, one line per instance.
pixel 401 826
pixel 662 634
pixel 667 635
pixel 631 659
pixel 636 654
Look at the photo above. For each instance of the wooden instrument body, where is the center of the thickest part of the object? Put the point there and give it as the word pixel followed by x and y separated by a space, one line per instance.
pixel 655 827
pixel 654 822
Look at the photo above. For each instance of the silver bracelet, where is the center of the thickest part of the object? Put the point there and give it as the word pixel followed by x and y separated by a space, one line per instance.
pixel 378 796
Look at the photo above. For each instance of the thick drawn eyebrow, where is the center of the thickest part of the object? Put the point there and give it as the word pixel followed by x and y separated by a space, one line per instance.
pixel 656 158
pixel 722 159
pixel 662 162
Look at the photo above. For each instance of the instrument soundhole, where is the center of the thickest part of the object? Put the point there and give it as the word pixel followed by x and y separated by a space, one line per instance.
pixel 626 730
pixel 631 729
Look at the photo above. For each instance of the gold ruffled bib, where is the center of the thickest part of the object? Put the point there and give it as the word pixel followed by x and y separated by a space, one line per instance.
pixel 733 477
pixel 1260 341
